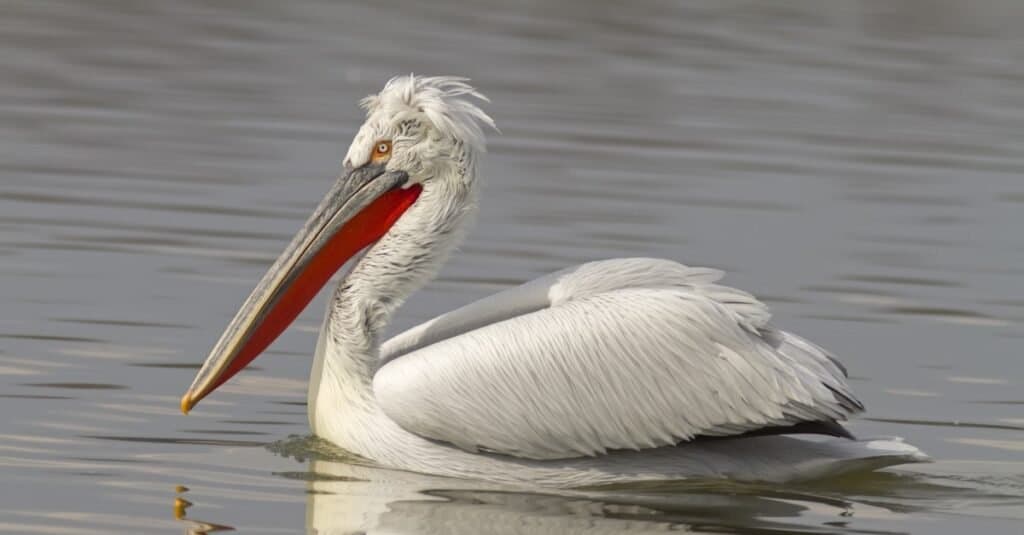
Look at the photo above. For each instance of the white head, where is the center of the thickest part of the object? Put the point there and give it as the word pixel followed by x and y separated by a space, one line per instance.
pixel 431 125
pixel 408 184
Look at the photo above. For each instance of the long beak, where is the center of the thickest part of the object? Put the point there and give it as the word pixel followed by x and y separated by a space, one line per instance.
pixel 357 211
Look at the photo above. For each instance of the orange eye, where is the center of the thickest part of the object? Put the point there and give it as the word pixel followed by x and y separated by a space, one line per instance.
pixel 381 151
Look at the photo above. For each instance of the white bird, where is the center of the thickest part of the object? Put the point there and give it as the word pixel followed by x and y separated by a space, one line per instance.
pixel 613 371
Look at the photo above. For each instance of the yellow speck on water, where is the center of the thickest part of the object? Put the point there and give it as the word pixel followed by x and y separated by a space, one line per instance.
pixel 180 506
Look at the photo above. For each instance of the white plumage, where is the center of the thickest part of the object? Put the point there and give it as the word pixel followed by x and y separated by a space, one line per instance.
pixel 610 371
pixel 620 354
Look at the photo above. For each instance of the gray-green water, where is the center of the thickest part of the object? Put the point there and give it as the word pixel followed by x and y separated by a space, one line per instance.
pixel 859 165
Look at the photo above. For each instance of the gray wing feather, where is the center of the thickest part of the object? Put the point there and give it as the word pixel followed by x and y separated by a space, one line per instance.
pixel 625 354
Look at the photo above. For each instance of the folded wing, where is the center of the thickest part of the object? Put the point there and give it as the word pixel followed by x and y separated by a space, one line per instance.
pixel 618 354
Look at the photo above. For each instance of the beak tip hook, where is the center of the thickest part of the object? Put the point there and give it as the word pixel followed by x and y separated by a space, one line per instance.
pixel 186 403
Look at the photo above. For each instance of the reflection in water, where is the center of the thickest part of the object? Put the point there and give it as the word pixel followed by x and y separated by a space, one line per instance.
pixel 193 527
pixel 345 495
pixel 344 499
pixel 351 498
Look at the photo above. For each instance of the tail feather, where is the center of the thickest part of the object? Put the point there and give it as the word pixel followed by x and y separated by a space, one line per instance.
pixel 831 458
pixel 800 458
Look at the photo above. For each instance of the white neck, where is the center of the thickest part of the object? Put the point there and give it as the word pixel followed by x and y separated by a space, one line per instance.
pixel 405 259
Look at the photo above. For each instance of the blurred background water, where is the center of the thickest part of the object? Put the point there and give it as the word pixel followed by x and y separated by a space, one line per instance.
pixel 857 164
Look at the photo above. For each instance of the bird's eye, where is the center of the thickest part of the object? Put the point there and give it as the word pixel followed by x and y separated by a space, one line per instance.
pixel 382 151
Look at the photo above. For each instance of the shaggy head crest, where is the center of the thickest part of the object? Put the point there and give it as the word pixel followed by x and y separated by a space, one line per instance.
pixel 440 99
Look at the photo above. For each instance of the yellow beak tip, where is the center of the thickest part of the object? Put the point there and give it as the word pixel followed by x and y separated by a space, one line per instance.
pixel 186 404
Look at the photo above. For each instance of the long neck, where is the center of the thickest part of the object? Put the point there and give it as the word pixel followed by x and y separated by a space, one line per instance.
pixel 405 259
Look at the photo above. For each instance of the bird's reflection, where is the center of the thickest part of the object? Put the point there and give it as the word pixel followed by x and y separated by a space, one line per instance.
pixel 346 498
pixel 193 527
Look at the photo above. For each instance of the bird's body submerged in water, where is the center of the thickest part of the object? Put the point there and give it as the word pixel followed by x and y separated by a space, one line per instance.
pixel 612 371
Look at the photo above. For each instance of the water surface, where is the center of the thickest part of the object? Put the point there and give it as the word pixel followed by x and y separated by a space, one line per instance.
pixel 858 165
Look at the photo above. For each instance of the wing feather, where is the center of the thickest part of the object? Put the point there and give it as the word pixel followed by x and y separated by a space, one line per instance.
pixel 621 354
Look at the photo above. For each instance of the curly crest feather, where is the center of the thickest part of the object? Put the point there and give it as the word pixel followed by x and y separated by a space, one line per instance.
pixel 441 99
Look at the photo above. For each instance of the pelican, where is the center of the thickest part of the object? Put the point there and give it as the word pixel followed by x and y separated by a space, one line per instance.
pixel 613 371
